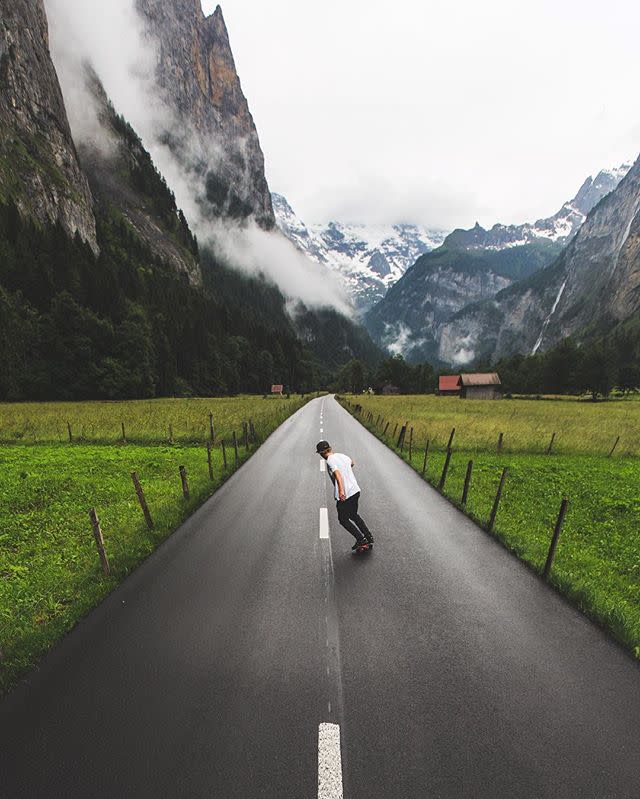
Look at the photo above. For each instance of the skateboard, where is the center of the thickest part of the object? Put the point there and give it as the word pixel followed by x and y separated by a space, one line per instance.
pixel 367 546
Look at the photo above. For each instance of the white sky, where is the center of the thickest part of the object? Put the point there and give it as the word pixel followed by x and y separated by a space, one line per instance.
pixel 441 112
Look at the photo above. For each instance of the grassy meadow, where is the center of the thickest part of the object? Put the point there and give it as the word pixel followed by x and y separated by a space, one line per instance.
pixel 50 573
pixel 597 563
pixel 151 421
pixel 581 427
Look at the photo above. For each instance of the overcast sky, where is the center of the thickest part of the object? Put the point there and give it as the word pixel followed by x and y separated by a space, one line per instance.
pixel 437 111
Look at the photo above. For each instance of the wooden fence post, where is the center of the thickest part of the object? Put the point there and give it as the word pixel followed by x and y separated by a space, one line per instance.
pixel 69 431
pixel 614 446
pixel 124 438
pixel 252 430
pixel 171 434
pixel 445 470
pixel 496 502
pixel 556 535
pixel 467 483
pixel 500 439
pixel 235 446
pixel 386 427
pixel 393 436
pixel 550 447
pixel 209 463
pixel 224 455
pixel 245 435
pixel 453 432
pixel 142 500
pixel 211 430
pixel 97 534
pixel 185 484
pixel 410 444
pixel 426 455
pixel 403 432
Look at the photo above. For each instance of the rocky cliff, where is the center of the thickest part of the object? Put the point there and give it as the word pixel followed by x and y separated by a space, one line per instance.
pixel 39 169
pixel 592 285
pixel 125 182
pixel 422 315
pixel 211 130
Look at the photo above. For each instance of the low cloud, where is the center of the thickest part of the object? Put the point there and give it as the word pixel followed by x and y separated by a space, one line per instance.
pixel 110 37
pixel 257 251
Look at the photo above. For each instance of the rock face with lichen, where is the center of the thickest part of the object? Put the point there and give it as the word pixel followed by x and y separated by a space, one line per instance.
pixel 210 128
pixel 39 168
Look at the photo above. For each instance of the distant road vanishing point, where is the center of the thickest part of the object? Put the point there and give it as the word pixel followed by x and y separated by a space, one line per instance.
pixel 253 656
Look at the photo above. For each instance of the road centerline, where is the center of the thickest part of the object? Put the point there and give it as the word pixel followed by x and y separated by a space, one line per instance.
pixel 324 523
pixel 329 762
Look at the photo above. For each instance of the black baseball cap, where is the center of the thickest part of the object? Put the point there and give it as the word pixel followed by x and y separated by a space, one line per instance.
pixel 322 446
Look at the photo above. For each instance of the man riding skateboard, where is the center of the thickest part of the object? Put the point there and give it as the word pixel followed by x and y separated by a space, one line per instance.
pixel 347 494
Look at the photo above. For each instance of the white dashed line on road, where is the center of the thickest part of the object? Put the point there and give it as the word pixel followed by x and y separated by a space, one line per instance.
pixel 324 523
pixel 329 762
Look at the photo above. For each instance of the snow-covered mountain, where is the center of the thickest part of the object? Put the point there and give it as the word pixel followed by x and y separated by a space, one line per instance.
pixel 369 258
pixel 559 228
pixel 593 285
pixel 416 316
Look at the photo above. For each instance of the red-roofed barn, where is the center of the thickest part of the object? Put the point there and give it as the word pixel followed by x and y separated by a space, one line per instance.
pixel 448 385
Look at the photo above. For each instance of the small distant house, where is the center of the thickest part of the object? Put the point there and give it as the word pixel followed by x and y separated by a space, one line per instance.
pixel 389 389
pixel 480 386
pixel 448 386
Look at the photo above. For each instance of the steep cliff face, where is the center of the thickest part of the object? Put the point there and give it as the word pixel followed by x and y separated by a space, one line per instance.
pixel 593 284
pixel 212 131
pixel 39 169
pixel 125 181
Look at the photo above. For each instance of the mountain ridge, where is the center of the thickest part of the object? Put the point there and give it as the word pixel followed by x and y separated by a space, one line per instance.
pixel 416 315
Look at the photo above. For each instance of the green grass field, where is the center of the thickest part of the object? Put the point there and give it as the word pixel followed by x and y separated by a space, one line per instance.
pixel 597 563
pixel 50 573
pixel 145 421
pixel 581 426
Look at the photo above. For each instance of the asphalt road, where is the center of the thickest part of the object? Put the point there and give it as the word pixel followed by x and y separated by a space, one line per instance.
pixel 438 665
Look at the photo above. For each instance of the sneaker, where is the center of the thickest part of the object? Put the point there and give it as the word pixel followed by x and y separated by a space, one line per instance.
pixel 369 538
pixel 358 544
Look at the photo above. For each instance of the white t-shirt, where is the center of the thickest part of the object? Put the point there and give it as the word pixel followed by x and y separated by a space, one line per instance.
pixel 343 463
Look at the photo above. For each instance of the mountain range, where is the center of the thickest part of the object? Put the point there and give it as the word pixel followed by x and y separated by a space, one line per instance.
pixel 368 258
pixel 418 316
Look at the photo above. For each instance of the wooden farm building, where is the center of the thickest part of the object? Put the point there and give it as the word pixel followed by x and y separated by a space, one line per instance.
pixel 480 386
pixel 448 386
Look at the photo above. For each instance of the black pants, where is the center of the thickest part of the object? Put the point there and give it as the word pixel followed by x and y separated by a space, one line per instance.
pixel 349 518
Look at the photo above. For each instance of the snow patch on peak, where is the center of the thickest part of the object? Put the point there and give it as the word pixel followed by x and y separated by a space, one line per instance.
pixel 369 258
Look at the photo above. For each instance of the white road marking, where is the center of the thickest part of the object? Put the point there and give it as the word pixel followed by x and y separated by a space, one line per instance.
pixel 324 523
pixel 329 762
pixel 321 430
pixel 322 465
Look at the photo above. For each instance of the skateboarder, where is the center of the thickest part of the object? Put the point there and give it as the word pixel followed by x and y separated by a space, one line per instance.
pixel 347 494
